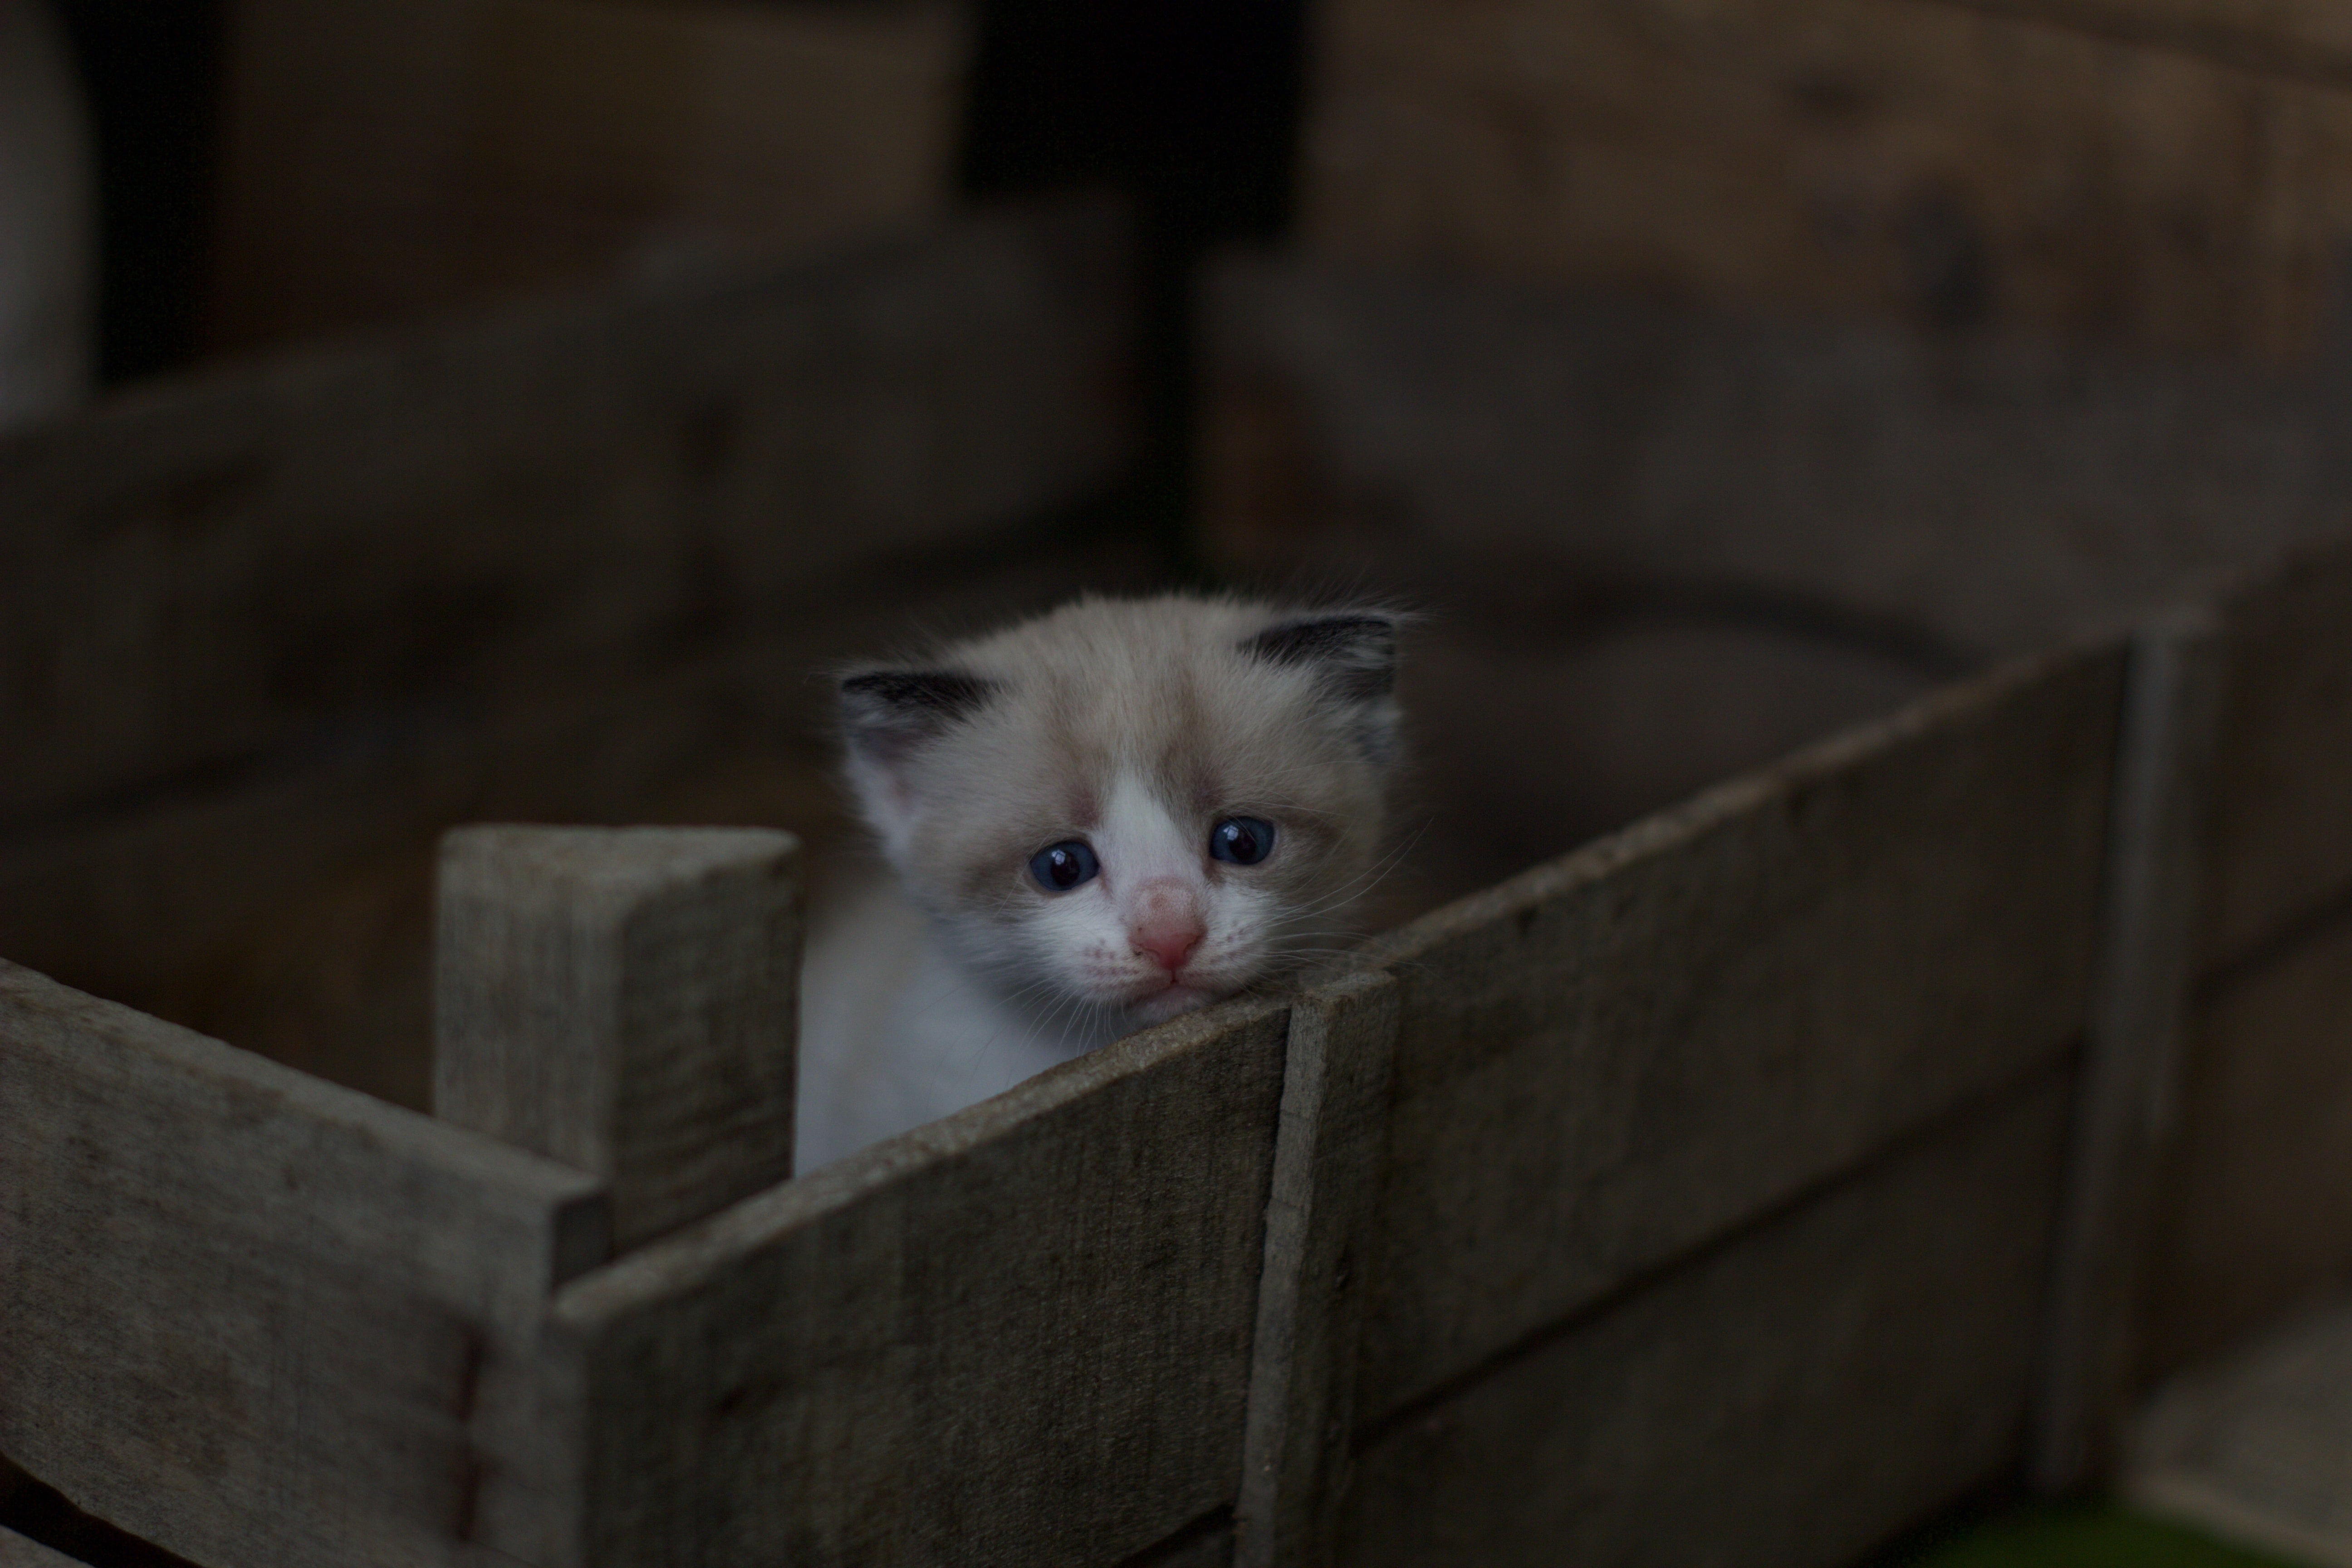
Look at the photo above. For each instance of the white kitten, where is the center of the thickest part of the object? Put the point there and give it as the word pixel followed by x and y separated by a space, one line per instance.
pixel 1098 819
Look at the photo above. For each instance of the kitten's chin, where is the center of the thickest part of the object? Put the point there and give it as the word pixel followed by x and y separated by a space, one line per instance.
pixel 1163 1005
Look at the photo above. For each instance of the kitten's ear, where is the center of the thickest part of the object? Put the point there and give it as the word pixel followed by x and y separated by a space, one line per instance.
pixel 886 716
pixel 1353 654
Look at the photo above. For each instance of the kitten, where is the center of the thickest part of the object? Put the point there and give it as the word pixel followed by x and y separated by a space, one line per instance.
pixel 1097 819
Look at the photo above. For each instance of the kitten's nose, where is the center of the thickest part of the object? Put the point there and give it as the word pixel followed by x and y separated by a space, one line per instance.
pixel 1167 925
pixel 1171 945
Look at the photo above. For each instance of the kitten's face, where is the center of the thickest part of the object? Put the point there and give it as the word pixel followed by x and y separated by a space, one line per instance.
pixel 1123 810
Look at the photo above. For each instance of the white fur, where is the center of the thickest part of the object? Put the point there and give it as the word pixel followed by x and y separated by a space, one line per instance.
pixel 1133 727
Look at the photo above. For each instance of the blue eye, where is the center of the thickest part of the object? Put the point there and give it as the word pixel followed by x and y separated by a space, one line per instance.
pixel 1061 866
pixel 1243 840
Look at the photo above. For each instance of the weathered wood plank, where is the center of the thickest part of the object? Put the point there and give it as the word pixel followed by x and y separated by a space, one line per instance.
pixel 216 571
pixel 2139 1005
pixel 2257 1197
pixel 379 160
pixel 1319 1233
pixel 1021 1334
pixel 2298 39
pixel 1946 164
pixel 2255 1447
pixel 1617 1056
pixel 626 1001
pixel 1793 1398
pixel 1567 463
pixel 259 1319
pixel 15 1552
pixel 2281 845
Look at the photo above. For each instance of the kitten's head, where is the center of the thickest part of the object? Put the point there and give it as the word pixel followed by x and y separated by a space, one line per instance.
pixel 1141 805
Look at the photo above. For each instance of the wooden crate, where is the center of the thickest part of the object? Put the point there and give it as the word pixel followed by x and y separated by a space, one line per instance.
pixel 1747 1185
pixel 1704 1182
pixel 2174 172
pixel 383 160
pixel 934 1390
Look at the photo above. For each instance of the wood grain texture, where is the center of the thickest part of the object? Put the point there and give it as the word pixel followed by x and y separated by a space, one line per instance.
pixel 1615 1056
pixel 2129 1094
pixel 1793 1398
pixel 1319 1234
pixel 1021 1334
pixel 1576 465
pixel 326 551
pixel 1949 165
pixel 2280 850
pixel 2257 1197
pixel 380 161
pixel 626 1001
pixel 15 1552
pixel 261 1321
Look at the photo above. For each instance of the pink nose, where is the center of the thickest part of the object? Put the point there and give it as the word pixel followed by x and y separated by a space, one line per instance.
pixel 1164 920
pixel 1171 945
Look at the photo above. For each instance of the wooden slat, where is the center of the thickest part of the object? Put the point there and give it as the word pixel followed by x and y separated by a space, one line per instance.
pixel 2255 1447
pixel 1947 164
pixel 2298 39
pixel 1318 1230
pixel 1615 1056
pixel 15 1552
pixel 2257 1201
pixel 2139 1005
pixel 382 158
pixel 261 1321
pixel 1021 1334
pixel 2280 846
pixel 210 575
pixel 1791 1400
pixel 1572 464
pixel 627 1001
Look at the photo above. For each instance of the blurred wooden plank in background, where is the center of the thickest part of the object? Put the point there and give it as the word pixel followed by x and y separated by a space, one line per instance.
pixel 2257 1201
pixel 272 628
pixel 1947 164
pixel 383 159
pixel 2256 1446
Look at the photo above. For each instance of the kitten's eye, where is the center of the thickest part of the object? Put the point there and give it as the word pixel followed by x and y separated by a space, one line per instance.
pixel 1243 840
pixel 1062 867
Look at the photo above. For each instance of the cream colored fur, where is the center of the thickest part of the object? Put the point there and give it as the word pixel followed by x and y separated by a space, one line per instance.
pixel 1133 727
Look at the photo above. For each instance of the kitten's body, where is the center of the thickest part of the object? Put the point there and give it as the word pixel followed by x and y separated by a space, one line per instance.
pixel 1209 774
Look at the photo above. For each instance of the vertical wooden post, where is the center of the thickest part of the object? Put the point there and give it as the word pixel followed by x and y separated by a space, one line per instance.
pixel 624 1000
pixel 2164 760
pixel 1318 1230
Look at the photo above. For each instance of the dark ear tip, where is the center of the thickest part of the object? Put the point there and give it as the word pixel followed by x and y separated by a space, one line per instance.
pixel 909 698
pixel 1355 650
